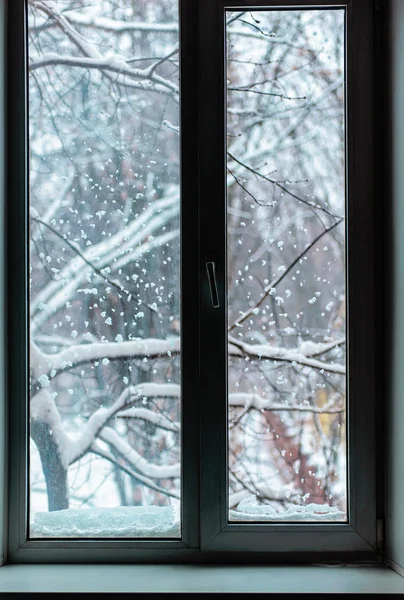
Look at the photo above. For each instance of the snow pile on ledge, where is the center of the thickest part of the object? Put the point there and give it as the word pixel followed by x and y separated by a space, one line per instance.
pixel 249 510
pixel 125 521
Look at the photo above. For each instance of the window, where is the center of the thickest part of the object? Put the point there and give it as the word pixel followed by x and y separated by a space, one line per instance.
pixel 197 218
pixel 286 258
pixel 104 272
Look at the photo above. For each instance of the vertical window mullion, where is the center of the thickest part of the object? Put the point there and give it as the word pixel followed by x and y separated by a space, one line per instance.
pixel 17 301
pixel 213 250
pixel 190 297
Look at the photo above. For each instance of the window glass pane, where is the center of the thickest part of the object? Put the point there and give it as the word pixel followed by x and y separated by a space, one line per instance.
pixel 104 269
pixel 286 265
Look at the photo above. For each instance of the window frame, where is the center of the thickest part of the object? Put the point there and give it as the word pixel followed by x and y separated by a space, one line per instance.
pixel 207 537
pixel 360 535
pixel 19 548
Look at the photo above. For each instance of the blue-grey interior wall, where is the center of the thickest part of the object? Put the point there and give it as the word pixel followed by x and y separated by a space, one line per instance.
pixel 2 278
pixel 395 419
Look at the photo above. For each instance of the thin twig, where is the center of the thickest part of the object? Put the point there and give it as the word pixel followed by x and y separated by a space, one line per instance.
pixel 283 188
pixel 276 281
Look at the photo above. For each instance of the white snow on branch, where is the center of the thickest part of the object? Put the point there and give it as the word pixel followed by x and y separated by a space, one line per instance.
pixel 120 26
pixel 101 416
pixel 146 414
pixel 259 403
pixel 311 349
pixel 132 254
pixel 96 449
pixel 171 127
pixel 244 498
pixel 136 460
pixel 48 365
pixel 292 355
pixel 113 63
pixel 70 450
pixel 126 245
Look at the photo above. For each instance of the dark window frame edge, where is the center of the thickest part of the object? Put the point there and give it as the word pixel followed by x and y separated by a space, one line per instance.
pixel 156 550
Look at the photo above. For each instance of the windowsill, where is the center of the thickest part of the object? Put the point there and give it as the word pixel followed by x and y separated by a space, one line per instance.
pixel 199 578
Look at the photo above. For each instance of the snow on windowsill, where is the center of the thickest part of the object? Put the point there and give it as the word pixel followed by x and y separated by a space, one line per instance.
pixel 159 521
pixel 248 510
pixel 126 521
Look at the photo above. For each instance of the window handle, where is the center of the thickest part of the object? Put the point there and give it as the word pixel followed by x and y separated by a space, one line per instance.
pixel 211 270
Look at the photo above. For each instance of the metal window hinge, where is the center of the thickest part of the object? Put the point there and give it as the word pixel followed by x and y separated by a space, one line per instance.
pixel 379 534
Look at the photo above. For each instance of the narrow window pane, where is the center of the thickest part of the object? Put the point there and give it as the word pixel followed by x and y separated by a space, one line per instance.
pixel 104 269
pixel 286 265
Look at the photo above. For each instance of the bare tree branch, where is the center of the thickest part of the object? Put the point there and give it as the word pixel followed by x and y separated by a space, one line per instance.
pixel 271 287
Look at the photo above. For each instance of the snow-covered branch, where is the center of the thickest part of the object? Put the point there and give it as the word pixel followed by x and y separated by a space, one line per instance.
pixel 114 64
pixel 93 58
pixel 47 366
pixel 70 450
pixel 292 355
pixel 127 245
pixel 136 461
pixel 147 481
pixel 101 416
pixel 257 402
pixel 117 26
pixel 145 414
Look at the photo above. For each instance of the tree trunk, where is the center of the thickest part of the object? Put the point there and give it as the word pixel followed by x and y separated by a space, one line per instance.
pixel 53 469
